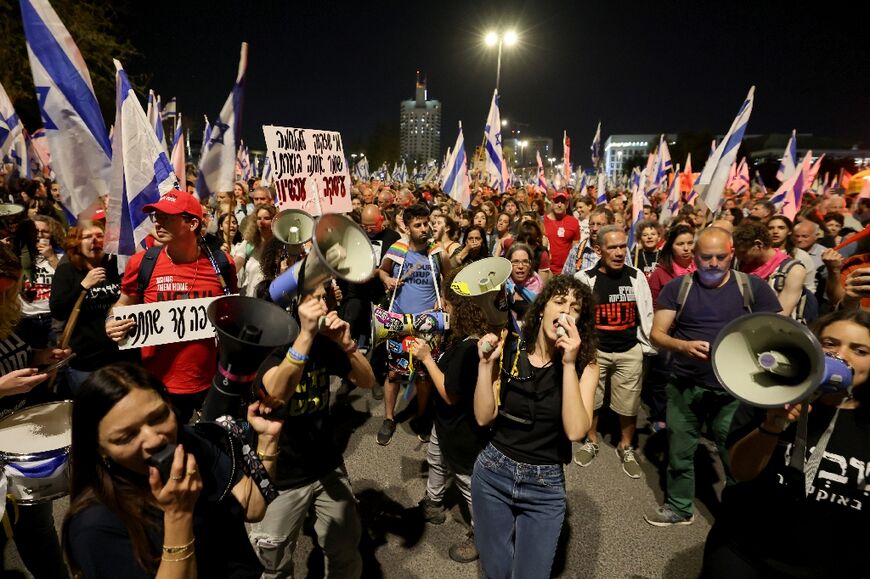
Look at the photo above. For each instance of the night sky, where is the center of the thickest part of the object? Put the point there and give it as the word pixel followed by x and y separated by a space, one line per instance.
pixel 642 67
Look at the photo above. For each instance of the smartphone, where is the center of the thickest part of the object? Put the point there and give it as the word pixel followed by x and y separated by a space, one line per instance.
pixel 57 365
pixel 163 461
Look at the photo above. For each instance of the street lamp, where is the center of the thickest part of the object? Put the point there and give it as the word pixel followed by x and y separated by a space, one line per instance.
pixel 494 38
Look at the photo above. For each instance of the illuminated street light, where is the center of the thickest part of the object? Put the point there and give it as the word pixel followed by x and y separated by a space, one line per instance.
pixel 494 38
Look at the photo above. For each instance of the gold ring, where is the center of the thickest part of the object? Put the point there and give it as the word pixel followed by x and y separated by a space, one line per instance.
pixel 190 472
pixel 177 477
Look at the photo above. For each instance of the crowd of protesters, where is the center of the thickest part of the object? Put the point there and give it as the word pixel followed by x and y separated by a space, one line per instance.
pixel 592 319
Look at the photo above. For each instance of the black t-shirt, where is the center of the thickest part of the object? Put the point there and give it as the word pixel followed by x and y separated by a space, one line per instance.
pixel 616 315
pixel 100 543
pixel 705 312
pixel 14 355
pixel 93 348
pixel 647 261
pixel 826 534
pixel 528 427
pixel 460 437
pixel 307 449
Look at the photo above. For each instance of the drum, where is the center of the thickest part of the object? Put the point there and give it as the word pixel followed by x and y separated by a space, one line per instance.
pixel 34 452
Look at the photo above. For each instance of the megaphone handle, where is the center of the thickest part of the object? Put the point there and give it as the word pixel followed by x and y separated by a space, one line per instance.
pixel 799 450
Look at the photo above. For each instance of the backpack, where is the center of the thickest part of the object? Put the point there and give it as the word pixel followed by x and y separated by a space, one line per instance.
pixel 149 261
pixel 807 308
pixel 742 284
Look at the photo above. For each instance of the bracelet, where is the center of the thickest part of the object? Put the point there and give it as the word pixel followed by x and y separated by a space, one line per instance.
pixel 111 318
pixel 266 456
pixel 298 356
pixel 185 558
pixel 180 548
pixel 763 430
pixel 352 348
pixel 293 360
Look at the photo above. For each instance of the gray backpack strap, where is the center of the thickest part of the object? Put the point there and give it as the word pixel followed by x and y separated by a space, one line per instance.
pixel 745 288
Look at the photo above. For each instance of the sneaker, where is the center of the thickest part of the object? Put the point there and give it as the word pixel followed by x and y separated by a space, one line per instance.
pixel 433 512
pixel 378 391
pixel 464 552
pixel 665 517
pixel 629 461
pixel 385 434
pixel 422 428
pixel 588 451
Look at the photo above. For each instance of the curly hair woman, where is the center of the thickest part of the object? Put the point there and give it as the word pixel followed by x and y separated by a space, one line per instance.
pixel 541 402
pixel 456 438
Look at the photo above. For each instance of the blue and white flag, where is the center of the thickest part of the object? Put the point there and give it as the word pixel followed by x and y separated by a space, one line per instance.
pixel 141 172
pixel 495 165
pixel 266 177
pixel 361 169
pixel 788 164
pixel 789 196
pixel 154 113
pixel 431 172
pixel 596 146
pixel 711 183
pixel 13 146
pixel 456 184
pixel 672 203
pixel 218 162
pixel 77 136
pixel 243 162
pixel 169 110
pixel 179 163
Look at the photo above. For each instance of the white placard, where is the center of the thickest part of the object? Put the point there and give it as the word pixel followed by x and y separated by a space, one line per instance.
pixel 309 169
pixel 166 322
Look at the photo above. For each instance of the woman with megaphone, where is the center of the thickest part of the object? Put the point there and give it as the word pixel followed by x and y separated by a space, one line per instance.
pixel 782 521
pixel 536 392
pixel 456 438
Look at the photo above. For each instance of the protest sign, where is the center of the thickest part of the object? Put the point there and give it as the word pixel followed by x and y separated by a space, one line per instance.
pixel 166 322
pixel 309 171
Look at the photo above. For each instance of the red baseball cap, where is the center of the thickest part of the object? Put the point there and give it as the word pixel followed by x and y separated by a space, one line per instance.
pixel 562 194
pixel 176 202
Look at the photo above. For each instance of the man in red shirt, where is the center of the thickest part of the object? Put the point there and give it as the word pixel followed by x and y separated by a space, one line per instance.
pixel 562 229
pixel 183 269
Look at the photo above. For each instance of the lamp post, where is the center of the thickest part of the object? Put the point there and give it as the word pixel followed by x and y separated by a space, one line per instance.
pixel 497 38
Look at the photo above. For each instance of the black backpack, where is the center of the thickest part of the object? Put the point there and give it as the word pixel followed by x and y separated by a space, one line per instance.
pixel 807 309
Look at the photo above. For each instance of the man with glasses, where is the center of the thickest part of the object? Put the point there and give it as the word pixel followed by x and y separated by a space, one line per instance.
pixel 179 268
pixel 562 229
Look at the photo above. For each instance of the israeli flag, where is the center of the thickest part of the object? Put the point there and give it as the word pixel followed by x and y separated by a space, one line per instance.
pixel 218 162
pixel 155 118
pixel 495 165
pixel 672 204
pixel 601 189
pixel 141 172
pixel 711 183
pixel 243 163
pixel 789 196
pixel 431 171
pixel 788 164
pixel 266 177
pixel 179 162
pixel 12 143
pixel 169 111
pixel 456 185
pixel 361 169
pixel 596 146
pixel 77 136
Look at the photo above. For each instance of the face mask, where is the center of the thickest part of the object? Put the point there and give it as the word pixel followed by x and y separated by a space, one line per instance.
pixel 711 277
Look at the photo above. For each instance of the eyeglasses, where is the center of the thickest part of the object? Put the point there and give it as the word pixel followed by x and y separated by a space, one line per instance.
pixel 156 216
pixel 520 262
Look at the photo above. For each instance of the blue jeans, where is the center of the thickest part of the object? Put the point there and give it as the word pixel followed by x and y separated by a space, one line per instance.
pixel 518 511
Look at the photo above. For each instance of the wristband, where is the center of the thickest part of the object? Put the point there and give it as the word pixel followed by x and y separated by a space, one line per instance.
pixel 293 360
pixel 763 430
pixel 299 357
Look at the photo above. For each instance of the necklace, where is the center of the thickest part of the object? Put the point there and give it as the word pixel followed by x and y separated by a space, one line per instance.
pixel 646 262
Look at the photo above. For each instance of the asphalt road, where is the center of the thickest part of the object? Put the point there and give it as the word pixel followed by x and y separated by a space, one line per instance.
pixel 605 535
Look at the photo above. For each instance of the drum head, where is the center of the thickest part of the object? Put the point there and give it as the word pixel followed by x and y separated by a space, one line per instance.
pixel 40 428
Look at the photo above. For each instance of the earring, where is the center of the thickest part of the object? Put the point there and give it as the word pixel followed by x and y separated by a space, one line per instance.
pixel 106 463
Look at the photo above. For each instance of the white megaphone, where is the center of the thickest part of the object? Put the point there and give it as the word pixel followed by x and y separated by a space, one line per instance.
pixel 341 249
pixel 483 281
pixel 769 360
pixel 294 228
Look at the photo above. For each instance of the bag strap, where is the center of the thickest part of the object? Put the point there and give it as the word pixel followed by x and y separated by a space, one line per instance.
pixel 396 288
pixel 745 287
pixel 435 282
pixel 146 269
pixel 683 293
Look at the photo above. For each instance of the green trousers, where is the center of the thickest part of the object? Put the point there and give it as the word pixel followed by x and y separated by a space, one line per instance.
pixel 689 407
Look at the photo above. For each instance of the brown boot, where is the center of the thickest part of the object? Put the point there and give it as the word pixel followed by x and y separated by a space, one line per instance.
pixel 464 552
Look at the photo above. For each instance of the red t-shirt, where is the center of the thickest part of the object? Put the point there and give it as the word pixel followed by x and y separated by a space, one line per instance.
pixel 562 233
pixel 185 367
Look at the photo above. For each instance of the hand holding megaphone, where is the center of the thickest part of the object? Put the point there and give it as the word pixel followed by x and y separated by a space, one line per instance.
pixel 567 338
pixel 489 348
pixel 420 349
pixel 310 312
pixel 778 419
pixel 335 328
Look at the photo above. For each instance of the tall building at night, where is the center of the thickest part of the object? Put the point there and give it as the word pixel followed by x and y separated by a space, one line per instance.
pixel 420 126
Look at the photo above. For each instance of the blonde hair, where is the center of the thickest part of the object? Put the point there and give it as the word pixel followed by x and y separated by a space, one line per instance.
pixel 10 305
